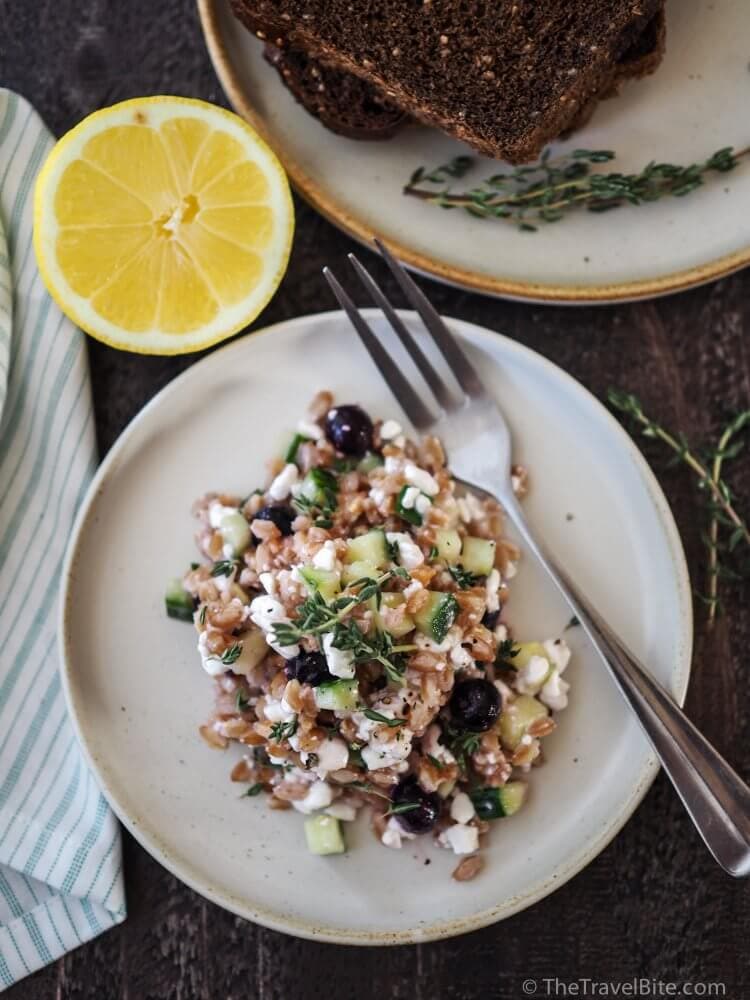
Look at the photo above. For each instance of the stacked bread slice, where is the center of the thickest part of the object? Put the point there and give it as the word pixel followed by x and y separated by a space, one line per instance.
pixel 506 76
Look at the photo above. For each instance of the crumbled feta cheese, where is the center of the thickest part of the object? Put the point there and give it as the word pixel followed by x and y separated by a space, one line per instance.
pixel 462 808
pixel 501 633
pixel 378 495
pixel 319 797
pixel 211 662
pixel 277 711
pixel 340 661
pixel 332 755
pixel 394 834
pixel 342 811
pixel 309 430
pixel 530 677
pixel 392 464
pixel 390 429
pixel 433 748
pixel 469 508
pixel 554 694
pixel 222 582
pixel 268 582
pixel 265 612
pixel 452 638
pixel 217 511
pixel 412 589
pixel 409 498
pixel 387 749
pixel 461 839
pixel 492 586
pixel 400 441
pixel 461 658
pixel 281 487
pixel 422 479
pixel 325 558
pixel 409 553
pixel 510 570
pixel 422 504
pixel 558 652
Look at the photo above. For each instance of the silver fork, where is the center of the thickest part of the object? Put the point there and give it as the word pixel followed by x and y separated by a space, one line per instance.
pixel 478 443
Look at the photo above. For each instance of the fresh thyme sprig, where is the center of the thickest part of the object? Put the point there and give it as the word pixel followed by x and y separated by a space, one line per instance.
pixel 231 655
pixel 394 808
pixel 283 730
pixel 720 502
pixel 376 647
pixel 323 502
pixel 506 651
pixel 373 716
pixel 463 577
pixel 316 616
pixel 550 189
pixel 462 744
pixel 225 567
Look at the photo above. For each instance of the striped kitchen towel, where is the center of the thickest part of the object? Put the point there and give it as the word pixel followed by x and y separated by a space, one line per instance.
pixel 60 857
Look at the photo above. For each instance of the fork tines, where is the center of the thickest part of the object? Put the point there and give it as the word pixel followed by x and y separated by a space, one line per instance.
pixel 420 416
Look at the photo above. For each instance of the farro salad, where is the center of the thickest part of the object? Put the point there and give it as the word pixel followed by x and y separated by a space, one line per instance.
pixel 352 615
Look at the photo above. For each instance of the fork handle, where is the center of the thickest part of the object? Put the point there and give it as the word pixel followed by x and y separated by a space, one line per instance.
pixel 716 798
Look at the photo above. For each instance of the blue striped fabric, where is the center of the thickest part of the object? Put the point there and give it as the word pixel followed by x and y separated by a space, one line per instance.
pixel 60 859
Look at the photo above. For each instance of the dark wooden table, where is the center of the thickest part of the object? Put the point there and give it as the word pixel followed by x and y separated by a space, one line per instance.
pixel 653 904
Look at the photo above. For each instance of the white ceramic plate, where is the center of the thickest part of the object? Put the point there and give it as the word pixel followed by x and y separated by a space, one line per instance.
pixel 137 693
pixel 694 104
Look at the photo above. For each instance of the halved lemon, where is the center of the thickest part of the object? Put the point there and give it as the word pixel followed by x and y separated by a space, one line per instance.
pixel 162 224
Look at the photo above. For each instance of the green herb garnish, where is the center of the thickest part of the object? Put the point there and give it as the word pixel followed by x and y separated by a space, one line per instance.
pixel 435 762
pixel 572 623
pixel 291 452
pixel 252 791
pixel 463 577
pixel 225 567
pixel 552 188
pixel 374 716
pixel 283 730
pixel 231 655
pixel 728 535
pixel 241 701
pixel 506 651
pixel 202 615
pixel 433 553
pixel 462 744
pixel 401 807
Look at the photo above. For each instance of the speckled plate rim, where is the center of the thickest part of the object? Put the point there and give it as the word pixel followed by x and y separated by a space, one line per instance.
pixel 181 869
pixel 606 294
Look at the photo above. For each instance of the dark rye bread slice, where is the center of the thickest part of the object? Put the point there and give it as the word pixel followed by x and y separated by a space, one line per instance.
pixel 344 103
pixel 505 77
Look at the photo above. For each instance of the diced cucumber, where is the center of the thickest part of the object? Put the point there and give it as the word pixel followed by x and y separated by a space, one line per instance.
pixel 517 717
pixel 478 556
pixel 371 547
pixel 409 514
pixel 358 571
pixel 254 650
pixel 324 836
pixel 319 487
pixel 448 545
pixel 525 651
pixel 235 531
pixel 445 787
pixel 337 696
pixel 325 581
pixel 291 452
pixel 178 602
pixel 494 803
pixel 391 601
pixel 370 461
pixel 437 616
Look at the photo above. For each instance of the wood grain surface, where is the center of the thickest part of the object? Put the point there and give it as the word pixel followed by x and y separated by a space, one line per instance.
pixel 653 904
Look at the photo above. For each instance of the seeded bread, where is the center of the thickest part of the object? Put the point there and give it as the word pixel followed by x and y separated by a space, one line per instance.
pixel 344 103
pixel 505 77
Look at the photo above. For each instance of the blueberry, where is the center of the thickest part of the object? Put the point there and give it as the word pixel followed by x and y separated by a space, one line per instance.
pixel 282 517
pixel 349 429
pixel 422 818
pixel 490 619
pixel 475 704
pixel 308 668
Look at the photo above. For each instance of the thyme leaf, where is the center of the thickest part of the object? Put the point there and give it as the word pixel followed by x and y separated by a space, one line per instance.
pixel 549 190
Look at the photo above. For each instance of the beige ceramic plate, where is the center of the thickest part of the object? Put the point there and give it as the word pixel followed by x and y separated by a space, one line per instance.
pixel 694 104
pixel 137 693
